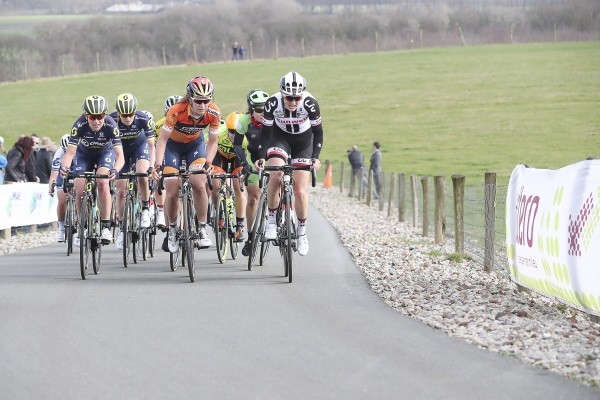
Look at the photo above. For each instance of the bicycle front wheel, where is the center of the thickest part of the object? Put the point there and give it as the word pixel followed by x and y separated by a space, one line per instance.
pixel 256 232
pixel 126 227
pixel 188 236
pixel 221 226
pixel 85 224
pixel 287 240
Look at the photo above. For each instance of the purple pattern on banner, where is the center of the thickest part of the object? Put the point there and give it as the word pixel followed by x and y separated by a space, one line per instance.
pixel 576 226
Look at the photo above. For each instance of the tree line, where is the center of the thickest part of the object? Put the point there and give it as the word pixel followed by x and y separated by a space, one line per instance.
pixel 280 29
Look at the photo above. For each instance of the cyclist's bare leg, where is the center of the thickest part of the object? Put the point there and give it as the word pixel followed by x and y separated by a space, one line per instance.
pixel 253 194
pixel 141 166
pixel 120 199
pixel 171 199
pixel 273 191
pixel 104 200
pixel 61 208
pixel 200 196
pixel 214 193
pixel 240 200
pixel 79 190
pixel 301 179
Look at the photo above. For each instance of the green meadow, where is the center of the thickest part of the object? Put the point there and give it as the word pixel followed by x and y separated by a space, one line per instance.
pixel 444 111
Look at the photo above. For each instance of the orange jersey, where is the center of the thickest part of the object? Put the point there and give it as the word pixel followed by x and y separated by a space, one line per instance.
pixel 184 128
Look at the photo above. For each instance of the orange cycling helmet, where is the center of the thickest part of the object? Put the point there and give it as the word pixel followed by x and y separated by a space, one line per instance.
pixel 232 120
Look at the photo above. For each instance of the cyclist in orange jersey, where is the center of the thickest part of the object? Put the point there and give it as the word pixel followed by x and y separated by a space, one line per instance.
pixel 181 139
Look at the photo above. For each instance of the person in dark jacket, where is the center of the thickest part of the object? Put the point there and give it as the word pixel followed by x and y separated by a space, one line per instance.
pixel 43 160
pixel 18 169
pixel 357 162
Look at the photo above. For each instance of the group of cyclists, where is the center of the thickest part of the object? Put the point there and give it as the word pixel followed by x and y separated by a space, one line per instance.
pixel 275 129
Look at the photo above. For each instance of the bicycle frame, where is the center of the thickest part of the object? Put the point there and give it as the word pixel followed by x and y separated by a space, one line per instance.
pixel 188 235
pixel 89 224
pixel 286 219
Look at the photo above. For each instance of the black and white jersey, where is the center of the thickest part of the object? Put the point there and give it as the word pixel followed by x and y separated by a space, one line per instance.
pixel 306 115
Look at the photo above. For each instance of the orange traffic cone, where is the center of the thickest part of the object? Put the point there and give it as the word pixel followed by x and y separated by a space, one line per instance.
pixel 328 182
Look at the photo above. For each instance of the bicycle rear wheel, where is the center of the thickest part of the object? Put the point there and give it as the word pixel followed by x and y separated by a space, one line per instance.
pixel 287 237
pixel 70 224
pixel 233 244
pixel 135 231
pixel 256 232
pixel 188 236
pixel 85 223
pixel 221 228
pixel 152 231
pixel 96 255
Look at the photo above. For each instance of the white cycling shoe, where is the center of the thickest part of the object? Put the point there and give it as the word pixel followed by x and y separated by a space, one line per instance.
pixel 302 244
pixel 271 231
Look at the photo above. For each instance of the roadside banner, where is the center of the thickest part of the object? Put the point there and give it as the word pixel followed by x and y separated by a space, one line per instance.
pixel 553 232
pixel 23 204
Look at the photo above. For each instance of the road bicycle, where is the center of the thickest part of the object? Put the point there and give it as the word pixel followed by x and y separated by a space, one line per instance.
pixel 71 211
pixel 89 231
pixel 153 229
pixel 135 238
pixel 188 225
pixel 223 217
pixel 70 221
pixel 286 217
pixel 257 232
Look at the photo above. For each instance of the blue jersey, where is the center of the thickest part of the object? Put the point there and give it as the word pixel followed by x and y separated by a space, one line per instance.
pixel 93 143
pixel 136 134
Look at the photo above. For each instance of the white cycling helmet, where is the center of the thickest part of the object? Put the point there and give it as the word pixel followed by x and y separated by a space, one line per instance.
pixel 64 141
pixel 292 84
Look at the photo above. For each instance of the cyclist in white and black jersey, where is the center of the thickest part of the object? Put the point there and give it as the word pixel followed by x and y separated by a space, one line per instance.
pixel 291 130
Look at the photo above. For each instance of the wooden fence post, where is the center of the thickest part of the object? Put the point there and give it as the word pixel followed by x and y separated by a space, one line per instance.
pixel 401 197
pixel 490 220
pixel 440 209
pixel 370 188
pixel 381 198
pixel 458 187
pixel 391 195
pixel 415 205
pixel 425 185
pixel 352 183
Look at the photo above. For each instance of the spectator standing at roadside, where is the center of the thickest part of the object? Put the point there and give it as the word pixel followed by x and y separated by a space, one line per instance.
pixel 3 162
pixel 357 162
pixel 18 169
pixel 375 166
pixel 43 160
pixel 234 51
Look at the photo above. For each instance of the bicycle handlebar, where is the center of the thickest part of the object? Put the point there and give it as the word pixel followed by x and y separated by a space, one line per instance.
pixel 288 169
pixel 182 173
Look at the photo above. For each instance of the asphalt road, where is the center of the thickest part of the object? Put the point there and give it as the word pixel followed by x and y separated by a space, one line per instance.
pixel 146 332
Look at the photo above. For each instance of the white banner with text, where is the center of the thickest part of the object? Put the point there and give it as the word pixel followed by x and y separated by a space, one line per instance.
pixel 23 204
pixel 553 232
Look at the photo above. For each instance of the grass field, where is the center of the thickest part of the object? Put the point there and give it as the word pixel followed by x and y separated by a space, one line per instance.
pixel 435 112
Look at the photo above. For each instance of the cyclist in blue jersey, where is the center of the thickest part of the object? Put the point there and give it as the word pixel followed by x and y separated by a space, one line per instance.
pixel 137 137
pixel 95 144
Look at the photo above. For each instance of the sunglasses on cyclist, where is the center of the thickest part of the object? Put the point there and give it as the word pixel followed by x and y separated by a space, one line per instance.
pixel 259 110
pixel 201 101
pixel 128 115
pixel 293 98
pixel 95 117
